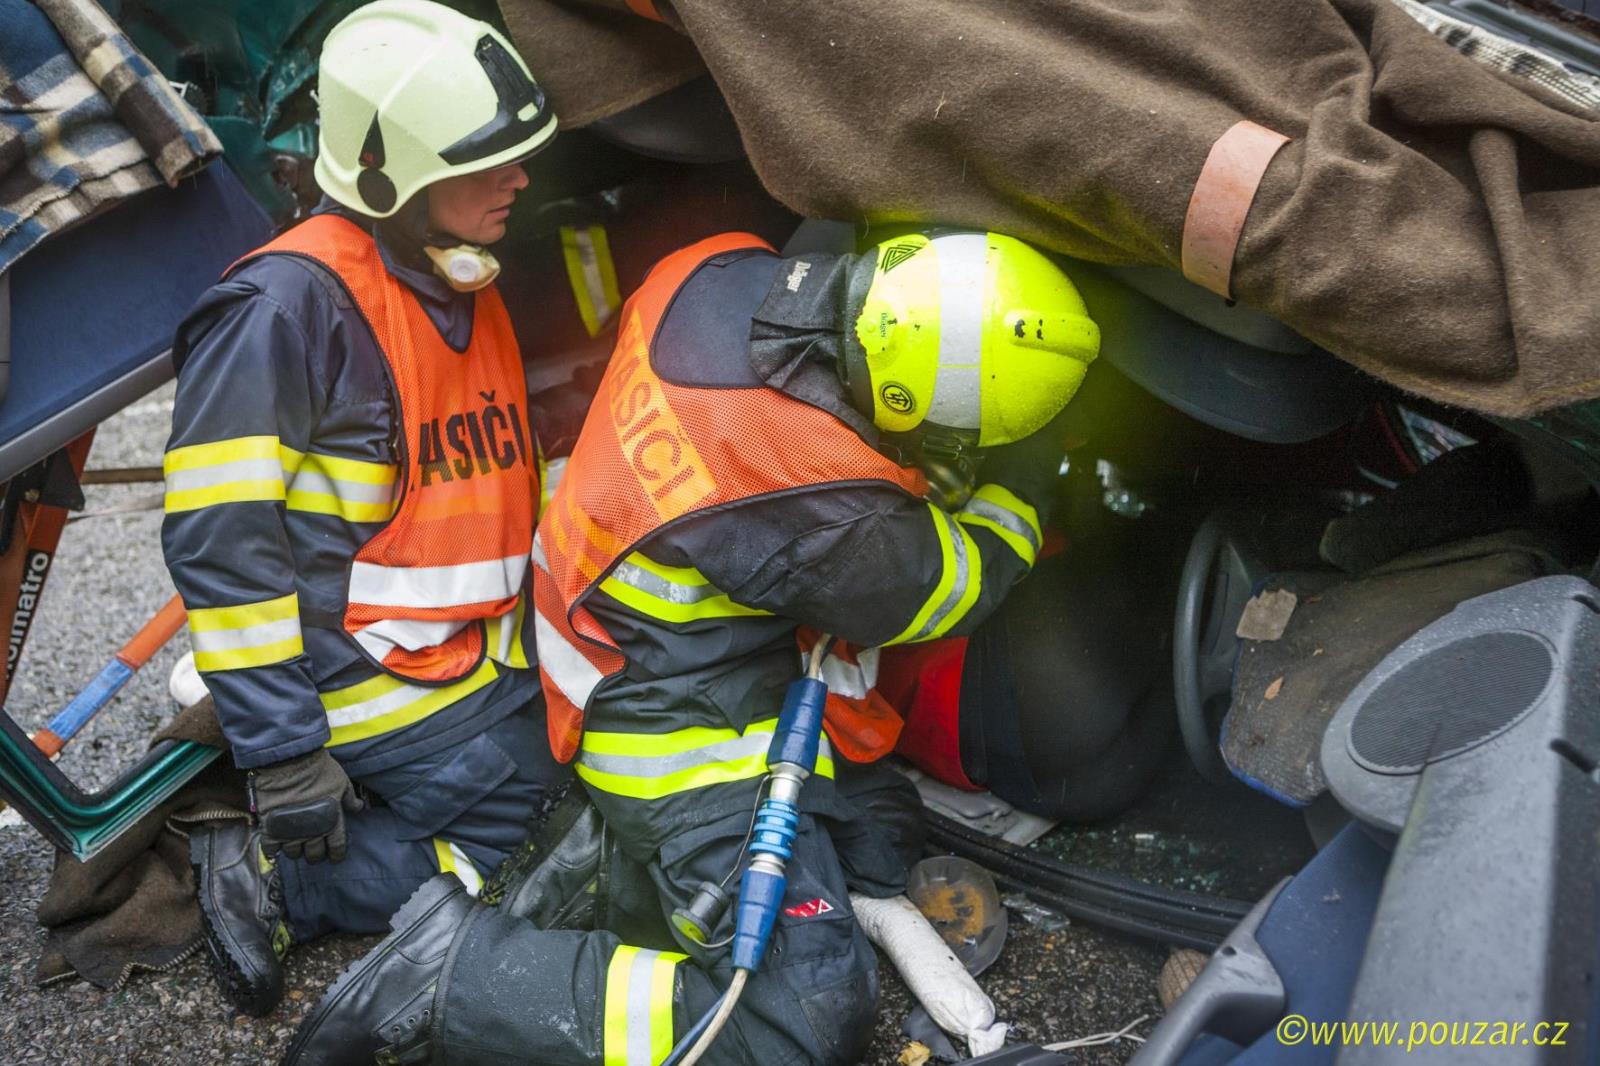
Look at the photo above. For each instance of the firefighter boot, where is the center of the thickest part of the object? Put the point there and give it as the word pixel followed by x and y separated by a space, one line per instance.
pixel 382 1007
pixel 241 909
pixel 551 880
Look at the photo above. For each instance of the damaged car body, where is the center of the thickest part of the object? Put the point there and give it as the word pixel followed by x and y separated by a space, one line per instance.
pixel 1345 635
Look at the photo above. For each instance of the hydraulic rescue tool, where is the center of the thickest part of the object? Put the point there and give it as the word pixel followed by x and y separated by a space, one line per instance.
pixel 791 758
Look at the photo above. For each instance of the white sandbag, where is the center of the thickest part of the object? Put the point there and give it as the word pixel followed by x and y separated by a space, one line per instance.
pixel 185 684
pixel 931 970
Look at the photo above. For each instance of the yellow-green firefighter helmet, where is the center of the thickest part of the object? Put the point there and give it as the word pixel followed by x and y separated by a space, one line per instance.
pixel 973 333
pixel 410 92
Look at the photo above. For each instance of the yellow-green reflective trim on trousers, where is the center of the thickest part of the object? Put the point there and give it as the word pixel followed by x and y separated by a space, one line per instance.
pixel 670 593
pixel 650 766
pixel 452 860
pixel 638 1009
pixel 384 703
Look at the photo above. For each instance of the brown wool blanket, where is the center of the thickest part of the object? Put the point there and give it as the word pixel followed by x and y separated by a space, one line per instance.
pixel 1434 221
pixel 132 907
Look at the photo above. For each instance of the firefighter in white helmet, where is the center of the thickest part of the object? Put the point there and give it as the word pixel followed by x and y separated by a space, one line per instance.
pixel 351 489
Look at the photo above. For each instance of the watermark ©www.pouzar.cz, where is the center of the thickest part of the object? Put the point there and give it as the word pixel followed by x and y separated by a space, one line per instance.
pixel 1297 1029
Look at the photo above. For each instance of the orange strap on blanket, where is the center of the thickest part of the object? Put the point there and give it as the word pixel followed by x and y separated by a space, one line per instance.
pixel 644 8
pixel 1221 200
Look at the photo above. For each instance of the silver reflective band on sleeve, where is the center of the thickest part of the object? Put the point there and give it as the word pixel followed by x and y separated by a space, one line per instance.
pixel 206 477
pixel 961 572
pixel 1006 515
pixel 660 587
pixel 1002 517
pixel 963 277
pixel 437 586
pixel 219 640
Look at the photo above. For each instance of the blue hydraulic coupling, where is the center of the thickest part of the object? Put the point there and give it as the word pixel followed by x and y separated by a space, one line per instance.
pixel 790 760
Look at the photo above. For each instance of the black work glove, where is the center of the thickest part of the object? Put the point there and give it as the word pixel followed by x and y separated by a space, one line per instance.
pixel 1029 467
pixel 301 805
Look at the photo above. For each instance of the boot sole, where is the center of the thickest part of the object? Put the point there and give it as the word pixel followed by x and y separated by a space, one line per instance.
pixel 255 998
pixel 423 903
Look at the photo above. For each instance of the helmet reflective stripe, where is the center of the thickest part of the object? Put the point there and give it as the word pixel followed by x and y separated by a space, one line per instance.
pixel 976 334
pixel 963 282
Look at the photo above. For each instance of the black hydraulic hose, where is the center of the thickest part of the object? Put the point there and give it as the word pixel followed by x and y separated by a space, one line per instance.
pixel 1113 901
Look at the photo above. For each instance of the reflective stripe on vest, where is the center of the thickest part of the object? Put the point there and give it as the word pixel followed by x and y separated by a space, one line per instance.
pixel 458 518
pixel 638 1012
pixel 649 766
pixel 653 452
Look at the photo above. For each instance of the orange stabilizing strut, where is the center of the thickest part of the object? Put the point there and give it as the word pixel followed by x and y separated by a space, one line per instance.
pixel 134 654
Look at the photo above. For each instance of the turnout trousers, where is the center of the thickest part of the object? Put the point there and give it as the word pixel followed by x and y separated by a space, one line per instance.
pixel 626 992
pixel 459 809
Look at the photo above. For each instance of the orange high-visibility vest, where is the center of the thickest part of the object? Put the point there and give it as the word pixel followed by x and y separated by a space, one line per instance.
pixel 652 452
pixel 455 552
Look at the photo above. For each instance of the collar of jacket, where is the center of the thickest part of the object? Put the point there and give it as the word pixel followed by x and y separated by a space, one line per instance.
pixel 401 251
pixel 797 337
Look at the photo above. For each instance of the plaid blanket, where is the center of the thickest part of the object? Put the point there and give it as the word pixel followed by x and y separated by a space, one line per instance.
pixel 85 121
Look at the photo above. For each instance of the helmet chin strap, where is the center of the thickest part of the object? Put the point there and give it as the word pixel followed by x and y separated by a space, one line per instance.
pixel 464 267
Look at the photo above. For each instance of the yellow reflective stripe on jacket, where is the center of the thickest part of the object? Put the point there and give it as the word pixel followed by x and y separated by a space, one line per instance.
pixel 384 703
pixel 638 1012
pixel 452 860
pixel 960 580
pixel 670 593
pixel 351 489
pixel 592 274
pixel 1005 514
pixel 238 470
pixel 649 766
pixel 250 634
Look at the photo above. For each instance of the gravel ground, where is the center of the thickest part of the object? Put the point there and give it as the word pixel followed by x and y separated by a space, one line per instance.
pixel 1052 983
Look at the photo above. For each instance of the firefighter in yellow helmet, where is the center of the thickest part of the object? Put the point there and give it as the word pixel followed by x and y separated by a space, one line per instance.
pixel 342 392
pixel 743 483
